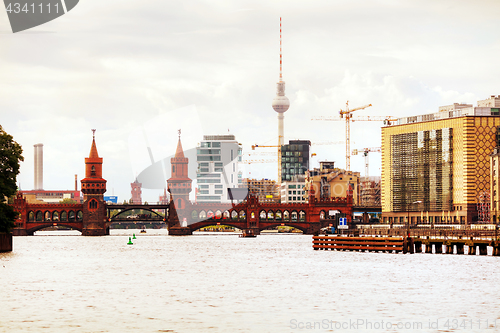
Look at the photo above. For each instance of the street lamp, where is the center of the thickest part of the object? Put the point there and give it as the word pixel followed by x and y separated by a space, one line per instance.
pixel 408 210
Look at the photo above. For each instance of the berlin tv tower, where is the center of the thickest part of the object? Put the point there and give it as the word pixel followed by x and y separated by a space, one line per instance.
pixel 281 103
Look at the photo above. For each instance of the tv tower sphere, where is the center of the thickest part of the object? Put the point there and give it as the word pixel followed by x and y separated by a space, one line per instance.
pixel 281 103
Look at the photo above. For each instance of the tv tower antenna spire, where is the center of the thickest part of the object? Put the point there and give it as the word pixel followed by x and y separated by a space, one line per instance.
pixel 281 56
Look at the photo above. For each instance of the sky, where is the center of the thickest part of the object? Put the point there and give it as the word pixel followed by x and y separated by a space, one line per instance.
pixel 137 71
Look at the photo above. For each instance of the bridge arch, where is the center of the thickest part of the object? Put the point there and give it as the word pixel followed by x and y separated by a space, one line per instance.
pixel 262 215
pixel 71 216
pixel 55 215
pixel 234 215
pixel 30 231
pixel 287 224
pixel 213 222
pixel 39 216
pixel 31 216
pixel 286 215
pixel 278 216
pixel 202 215
pixel 135 208
pixel 270 215
pixel 64 216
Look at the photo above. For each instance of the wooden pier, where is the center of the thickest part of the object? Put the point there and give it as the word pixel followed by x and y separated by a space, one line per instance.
pixel 440 242
pixel 371 244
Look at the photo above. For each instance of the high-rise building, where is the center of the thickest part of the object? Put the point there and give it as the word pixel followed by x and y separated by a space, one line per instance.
pixel 281 103
pixel 38 167
pixel 218 157
pixel 436 167
pixel 294 159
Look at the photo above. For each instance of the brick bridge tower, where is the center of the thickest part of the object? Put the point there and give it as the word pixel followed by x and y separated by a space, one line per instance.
pixel 93 188
pixel 179 187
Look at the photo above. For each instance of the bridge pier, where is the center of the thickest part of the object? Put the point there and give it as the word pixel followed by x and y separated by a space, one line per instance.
pixel 438 248
pixel 418 247
pixel 460 248
pixel 19 232
pixel 428 247
pixel 472 249
pixel 179 231
pixel 449 248
pixel 496 249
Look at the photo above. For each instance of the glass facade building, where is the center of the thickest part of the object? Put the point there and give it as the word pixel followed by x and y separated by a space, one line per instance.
pixel 436 167
pixel 294 159
pixel 422 170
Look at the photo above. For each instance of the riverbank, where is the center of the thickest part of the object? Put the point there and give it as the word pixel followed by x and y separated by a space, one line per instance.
pixel 5 242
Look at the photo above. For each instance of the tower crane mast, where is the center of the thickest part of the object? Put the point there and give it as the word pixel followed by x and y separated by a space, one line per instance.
pixel 348 115
pixel 365 152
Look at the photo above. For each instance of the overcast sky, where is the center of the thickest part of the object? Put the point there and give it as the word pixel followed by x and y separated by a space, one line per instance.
pixel 143 69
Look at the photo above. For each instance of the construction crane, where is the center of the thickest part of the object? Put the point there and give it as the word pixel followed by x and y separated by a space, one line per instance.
pixel 365 152
pixel 279 159
pixel 258 161
pixel 273 153
pixel 348 118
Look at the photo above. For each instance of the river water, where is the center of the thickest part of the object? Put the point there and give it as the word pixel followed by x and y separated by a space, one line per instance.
pixel 218 282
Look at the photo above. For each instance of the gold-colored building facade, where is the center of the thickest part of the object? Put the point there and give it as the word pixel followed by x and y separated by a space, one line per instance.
pixel 472 141
pixel 331 182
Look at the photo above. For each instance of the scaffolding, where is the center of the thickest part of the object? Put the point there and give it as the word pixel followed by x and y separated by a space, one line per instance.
pixel 422 170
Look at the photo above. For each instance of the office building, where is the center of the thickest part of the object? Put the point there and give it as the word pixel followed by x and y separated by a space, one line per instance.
pixel 327 182
pixel 436 167
pixel 294 159
pixel 218 157
pixel 265 190
pixel 293 192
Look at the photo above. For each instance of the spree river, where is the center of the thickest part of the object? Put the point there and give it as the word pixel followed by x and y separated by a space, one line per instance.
pixel 218 282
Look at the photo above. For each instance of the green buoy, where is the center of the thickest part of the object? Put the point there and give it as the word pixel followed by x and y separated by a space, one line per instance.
pixel 130 242
pixel 134 237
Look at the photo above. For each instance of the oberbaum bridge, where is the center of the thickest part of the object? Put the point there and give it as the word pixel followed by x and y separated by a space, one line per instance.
pixel 93 216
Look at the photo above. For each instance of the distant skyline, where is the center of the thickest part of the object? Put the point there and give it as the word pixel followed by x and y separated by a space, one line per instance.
pixel 137 71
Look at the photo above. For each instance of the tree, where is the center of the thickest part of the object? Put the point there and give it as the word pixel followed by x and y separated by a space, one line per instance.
pixel 10 156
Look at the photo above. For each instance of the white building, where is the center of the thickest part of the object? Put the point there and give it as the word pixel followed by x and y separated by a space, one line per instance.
pixel 293 192
pixel 217 157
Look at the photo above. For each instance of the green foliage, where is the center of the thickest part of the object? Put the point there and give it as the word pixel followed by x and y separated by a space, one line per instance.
pixel 68 201
pixel 7 217
pixel 10 156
